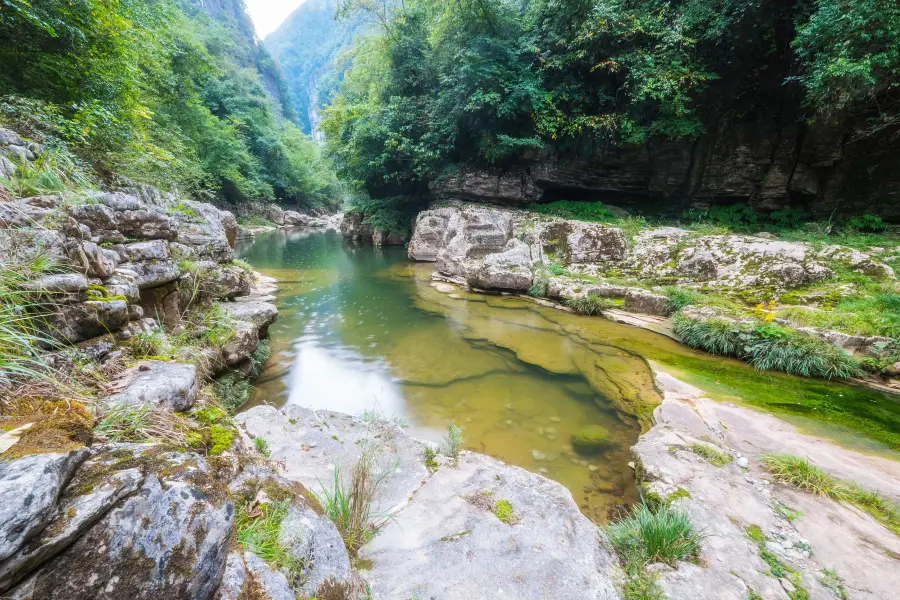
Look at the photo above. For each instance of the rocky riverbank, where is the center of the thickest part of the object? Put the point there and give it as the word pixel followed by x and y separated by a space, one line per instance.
pixel 703 282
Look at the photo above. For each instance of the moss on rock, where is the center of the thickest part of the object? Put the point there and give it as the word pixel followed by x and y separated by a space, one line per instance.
pixel 590 439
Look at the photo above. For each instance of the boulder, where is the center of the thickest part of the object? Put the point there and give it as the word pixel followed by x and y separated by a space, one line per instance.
pixel 314 539
pixel 273 213
pixel 260 314
pixel 101 220
pixel 156 383
pixel 138 220
pixel 472 234
pixel 29 488
pixel 507 270
pixel 593 243
pixel 353 228
pixel 7 167
pixel 428 234
pixel 152 273
pixel 143 251
pixel 72 518
pixel 208 231
pixel 644 302
pixel 221 281
pixel 91 258
pixel 71 323
pixel 61 283
pixel 387 238
pixel 244 342
pixel 168 541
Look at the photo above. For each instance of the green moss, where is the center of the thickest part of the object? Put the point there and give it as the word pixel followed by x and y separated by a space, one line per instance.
pixel 590 439
pixel 57 426
pixel 679 493
pixel 221 438
pixel 503 510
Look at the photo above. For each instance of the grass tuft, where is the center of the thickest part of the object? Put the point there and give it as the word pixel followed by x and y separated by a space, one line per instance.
pixel 799 473
pixel 590 305
pixel 258 527
pixel 453 441
pixel 711 454
pixel 349 504
pixel 654 535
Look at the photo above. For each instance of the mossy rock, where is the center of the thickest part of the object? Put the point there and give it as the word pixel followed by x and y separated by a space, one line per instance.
pixel 590 439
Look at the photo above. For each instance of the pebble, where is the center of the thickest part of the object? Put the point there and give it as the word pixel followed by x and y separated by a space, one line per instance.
pixel 593 468
pixel 540 430
pixel 508 422
pixel 631 465
pixel 550 430
pixel 743 463
pixel 583 463
pixel 555 419
pixel 543 471
pixel 508 406
pixel 551 436
pixel 538 455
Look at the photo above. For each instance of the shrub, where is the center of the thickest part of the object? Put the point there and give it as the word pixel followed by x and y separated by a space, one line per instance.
pixel 866 224
pixel 788 218
pixel 579 210
pixel 680 297
pixel 654 535
pixel 538 289
pixel 263 446
pixel 590 304
pixel 453 441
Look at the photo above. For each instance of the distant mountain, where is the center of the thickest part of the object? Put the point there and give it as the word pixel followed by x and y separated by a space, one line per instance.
pixel 309 46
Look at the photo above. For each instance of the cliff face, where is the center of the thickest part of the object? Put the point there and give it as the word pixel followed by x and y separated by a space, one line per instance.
pixel 769 164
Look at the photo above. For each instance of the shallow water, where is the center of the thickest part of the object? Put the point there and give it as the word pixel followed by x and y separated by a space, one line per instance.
pixel 363 329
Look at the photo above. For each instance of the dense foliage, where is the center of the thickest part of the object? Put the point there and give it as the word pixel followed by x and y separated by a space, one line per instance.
pixel 488 80
pixel 163 92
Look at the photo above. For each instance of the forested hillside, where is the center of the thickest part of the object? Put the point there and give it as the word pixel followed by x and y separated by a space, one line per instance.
pixel 176 93
pixel 311 47
pixel 776 103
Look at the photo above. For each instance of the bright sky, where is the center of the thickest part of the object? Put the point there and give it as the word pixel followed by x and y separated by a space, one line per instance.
pixel 267 15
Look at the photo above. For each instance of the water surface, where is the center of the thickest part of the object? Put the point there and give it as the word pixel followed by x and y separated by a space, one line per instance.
pixel 363 329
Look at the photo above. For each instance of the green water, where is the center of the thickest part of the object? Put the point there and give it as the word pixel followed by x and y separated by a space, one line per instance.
pixel 365 329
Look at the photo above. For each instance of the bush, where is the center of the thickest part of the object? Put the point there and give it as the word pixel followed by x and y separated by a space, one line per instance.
pixel 538 289
pixel 579 210
pixel 866 224
pixel 654 535
pixel 590 305
pixel 767 346
pixel 788 218
pixel 258 529
pixel 453 441
pixel 680 297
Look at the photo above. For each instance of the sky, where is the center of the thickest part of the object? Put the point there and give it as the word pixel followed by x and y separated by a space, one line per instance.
pixel 267 15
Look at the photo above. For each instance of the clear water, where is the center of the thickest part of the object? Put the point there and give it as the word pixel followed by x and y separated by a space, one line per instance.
pixel 364 329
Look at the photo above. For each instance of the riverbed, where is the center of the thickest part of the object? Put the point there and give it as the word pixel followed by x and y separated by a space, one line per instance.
pixel 363 330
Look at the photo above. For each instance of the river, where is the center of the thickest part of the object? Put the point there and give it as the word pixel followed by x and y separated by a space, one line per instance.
pixel 363 330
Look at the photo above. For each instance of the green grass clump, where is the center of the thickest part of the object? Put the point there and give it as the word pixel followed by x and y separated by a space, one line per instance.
pixel 350 504
pixel 258 528
pixel 538 289
pixel 233 391
pixel 678 298
pixel 768 347
pixel 255 221
pixel 262 446
pixel 590 305
pixel 799 473
pixel 643 586
pixel 654 535
pixel 123 422
pixel 712 455
pixel 453 441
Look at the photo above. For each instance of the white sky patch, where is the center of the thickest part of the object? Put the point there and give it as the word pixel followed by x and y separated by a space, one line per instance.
pixel 267 15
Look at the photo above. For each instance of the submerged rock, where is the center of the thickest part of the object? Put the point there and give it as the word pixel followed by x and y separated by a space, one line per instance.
pixel 590 439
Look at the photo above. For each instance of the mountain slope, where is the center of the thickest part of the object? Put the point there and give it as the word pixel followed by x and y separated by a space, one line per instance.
pixel 309 46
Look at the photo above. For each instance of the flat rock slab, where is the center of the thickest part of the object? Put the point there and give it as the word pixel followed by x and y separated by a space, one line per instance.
pixel 157 383
pixel 312 443
pixel 724 500
pixel 442 539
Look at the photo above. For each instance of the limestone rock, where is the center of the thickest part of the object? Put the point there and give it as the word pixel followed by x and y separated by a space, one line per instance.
pixel 590 439
pixel 153 273
pixel 168 541
pixel 593 243
pixel 314 539
pixel 144 251
pixel 507 270
pixel 136 219
pixel 59 283
pixel 260 314
pixel 91 258
pixel 72 518
pixel 208 231
pixel 472 234
pixel 645 302
pixel 244 342
pixel 387 238
pixel 101 220
pixel 353 228
pixel 234 577
pixel 269 581
pixel 73 323
pixel 428 234
pixel 29 487
pixel 157 383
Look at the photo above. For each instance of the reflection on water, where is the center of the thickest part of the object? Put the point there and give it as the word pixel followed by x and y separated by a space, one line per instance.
pixel 361 328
